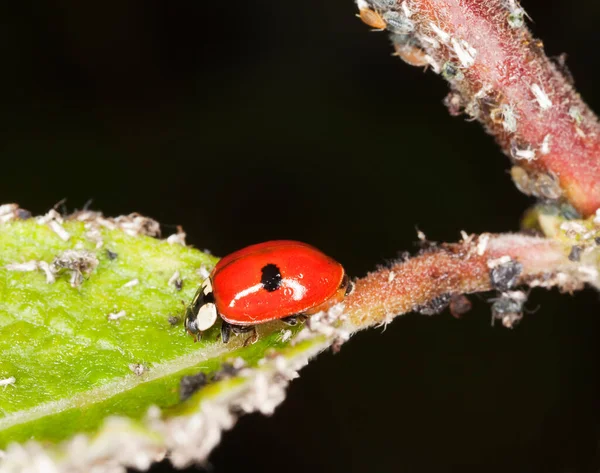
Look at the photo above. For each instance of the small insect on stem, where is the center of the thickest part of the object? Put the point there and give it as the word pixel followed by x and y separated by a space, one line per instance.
pixel 508 308
pixel 372 19
pixel 409 50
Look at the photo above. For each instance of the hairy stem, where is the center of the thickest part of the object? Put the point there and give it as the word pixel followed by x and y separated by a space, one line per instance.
pixel 461 268
pixel 500 75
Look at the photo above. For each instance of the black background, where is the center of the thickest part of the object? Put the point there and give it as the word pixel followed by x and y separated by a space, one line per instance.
pixel 260 119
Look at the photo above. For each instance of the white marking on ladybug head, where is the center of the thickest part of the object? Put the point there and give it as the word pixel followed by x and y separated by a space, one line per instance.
pixel 207 316
pixel 298 290
pixel 246 292
pixel 207 286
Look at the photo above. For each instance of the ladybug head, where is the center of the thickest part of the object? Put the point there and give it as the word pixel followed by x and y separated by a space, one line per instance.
pixel 202 312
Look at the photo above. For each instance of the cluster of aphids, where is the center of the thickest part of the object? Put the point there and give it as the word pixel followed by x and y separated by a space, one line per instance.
pixel 189 385
pixel 508 306
pixel 394 17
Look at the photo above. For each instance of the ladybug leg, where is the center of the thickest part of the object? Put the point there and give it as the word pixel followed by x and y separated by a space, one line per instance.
pixel 291 320
pixel 349 288
pixel 237 329
pixel 294 319
pixel 225 331
pixel 347 285
pixel 252 339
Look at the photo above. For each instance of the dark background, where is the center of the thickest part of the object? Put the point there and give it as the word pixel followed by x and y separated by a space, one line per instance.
pixel 260 119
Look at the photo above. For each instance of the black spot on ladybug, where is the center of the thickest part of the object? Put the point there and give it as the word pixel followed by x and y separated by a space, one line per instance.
pixel 271 277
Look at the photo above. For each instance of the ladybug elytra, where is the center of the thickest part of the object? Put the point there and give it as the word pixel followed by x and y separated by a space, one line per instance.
pixel 275 280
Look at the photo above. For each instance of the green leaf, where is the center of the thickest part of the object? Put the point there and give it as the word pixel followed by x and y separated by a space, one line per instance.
pixel 91 314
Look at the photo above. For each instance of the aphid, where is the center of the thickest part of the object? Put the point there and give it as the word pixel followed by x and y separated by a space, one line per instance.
pixel 506 275
pixel 9 212
pixel 508 308
pixel 132 283
pixel 547 186
pixel 78 262
pixel 450 71
pixel 137 368
pixel 8 382
pixel 372 18
pixel 568 212
pixel 434 306
pixel 506 116
pixel 276 280
pixel 191 384
pixel 384 4
pixel 409 50
pixel 227 370
pixel 545 148
pixel 575 254
pixel 454 103
pixel 459 305
pixel 176 281
pixel 541 96
pixel 516 16
pixel 538 184
pixel 22 214
pixel 397 23
pixel 525 153
pixel 116 315
pixel 575 114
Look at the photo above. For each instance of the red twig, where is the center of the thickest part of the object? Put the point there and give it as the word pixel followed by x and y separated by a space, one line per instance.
pixel 460 268
pixel 501 76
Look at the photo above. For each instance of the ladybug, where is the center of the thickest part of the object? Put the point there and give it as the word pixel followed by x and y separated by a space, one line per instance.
pixel 276 280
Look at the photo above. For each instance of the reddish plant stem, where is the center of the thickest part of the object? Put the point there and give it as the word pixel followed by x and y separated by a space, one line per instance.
pixel 459 268
pixel 501 76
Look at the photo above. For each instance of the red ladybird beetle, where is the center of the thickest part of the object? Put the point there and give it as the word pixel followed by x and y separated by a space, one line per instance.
pixel 275 280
